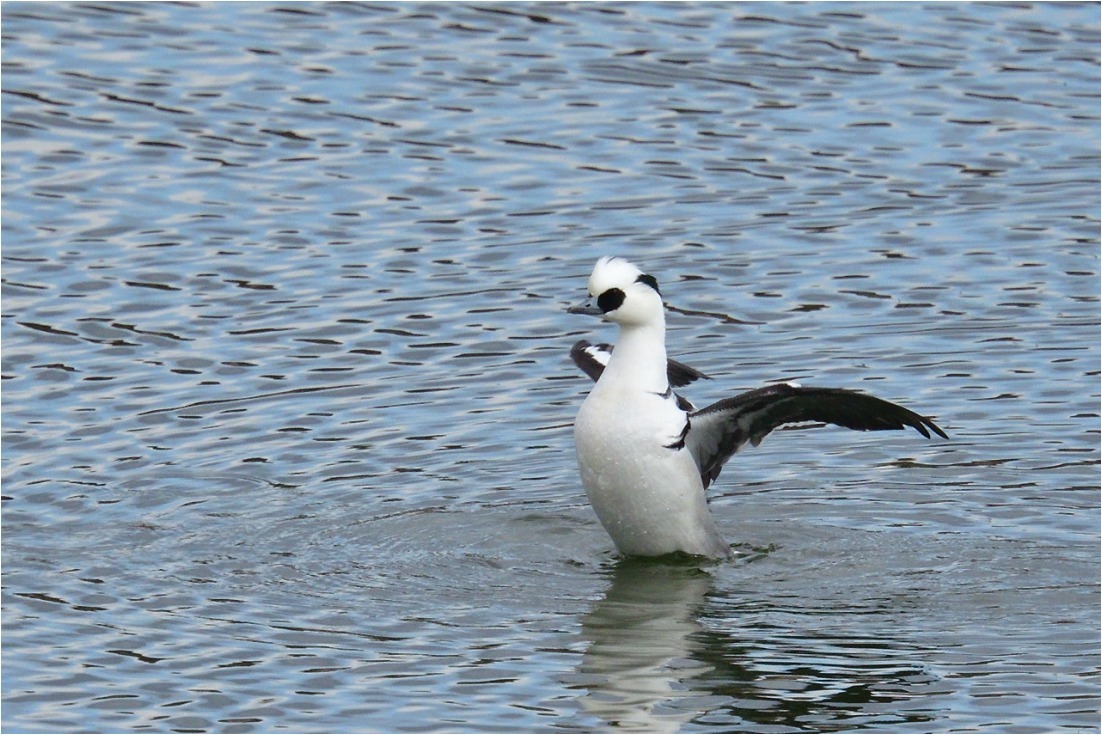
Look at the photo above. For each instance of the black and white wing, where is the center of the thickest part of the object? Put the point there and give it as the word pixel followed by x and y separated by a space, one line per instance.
pixel 717 431
pixel 593 358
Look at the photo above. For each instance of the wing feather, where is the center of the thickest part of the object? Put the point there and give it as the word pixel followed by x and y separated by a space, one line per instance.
pixel 719 430
pixel 592 358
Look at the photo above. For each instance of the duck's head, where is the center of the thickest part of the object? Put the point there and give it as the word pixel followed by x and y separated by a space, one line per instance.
pixel 621 293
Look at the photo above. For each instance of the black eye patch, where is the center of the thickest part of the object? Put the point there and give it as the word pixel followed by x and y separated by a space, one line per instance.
pixel 649 280
pixel 610 300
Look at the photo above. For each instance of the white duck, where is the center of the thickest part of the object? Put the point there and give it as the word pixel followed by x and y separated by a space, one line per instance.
pixel 646 454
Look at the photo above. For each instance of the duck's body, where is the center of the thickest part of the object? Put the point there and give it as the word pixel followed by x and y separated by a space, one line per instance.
pixel 646 491
pixel 646 455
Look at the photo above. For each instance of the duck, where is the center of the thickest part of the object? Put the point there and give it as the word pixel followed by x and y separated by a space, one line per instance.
pixel 646 455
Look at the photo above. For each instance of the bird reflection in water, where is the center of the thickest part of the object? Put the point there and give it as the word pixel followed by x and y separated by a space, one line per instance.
pixel 665 649
pixel 645 647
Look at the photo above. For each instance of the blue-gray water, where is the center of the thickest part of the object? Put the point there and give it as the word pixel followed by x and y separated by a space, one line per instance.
pixel 287 401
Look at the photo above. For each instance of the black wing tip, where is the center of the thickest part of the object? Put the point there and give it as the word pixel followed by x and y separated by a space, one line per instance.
pixel 679 374
pixel 904 417
pixel 901 418
pixel 891 414
pixel 925 426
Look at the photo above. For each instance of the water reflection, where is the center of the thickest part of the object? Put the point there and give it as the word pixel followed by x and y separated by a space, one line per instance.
pixel 642 667
pixel 668 648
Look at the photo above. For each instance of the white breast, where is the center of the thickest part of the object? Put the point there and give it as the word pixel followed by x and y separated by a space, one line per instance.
pixel 648 495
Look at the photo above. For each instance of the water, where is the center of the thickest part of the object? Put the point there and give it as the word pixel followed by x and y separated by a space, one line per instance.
pixel 287 399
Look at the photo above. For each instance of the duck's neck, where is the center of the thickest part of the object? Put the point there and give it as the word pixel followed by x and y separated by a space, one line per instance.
pixel 639 359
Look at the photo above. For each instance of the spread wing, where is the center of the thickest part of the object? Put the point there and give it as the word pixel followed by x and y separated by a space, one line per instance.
pixel 593 358
pixel 719 430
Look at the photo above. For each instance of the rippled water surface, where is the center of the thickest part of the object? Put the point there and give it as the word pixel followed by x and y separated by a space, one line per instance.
pixel 287 401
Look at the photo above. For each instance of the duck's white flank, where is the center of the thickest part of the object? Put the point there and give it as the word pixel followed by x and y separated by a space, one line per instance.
pixel 646 454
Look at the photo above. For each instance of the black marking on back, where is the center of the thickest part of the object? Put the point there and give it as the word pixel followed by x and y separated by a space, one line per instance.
pixel 649 280
pixel 679 443
pixel 684 403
